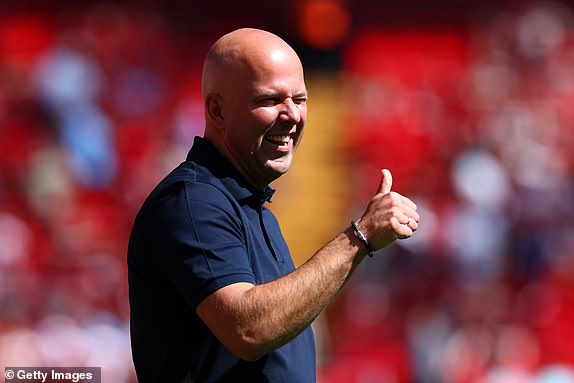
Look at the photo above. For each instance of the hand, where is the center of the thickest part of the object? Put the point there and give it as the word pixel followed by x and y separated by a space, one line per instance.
pixel 389 215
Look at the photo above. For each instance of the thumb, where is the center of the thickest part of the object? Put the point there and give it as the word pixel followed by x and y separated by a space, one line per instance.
pixel 386 182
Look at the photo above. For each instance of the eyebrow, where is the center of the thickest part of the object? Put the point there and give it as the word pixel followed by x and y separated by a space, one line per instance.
pixel 265 94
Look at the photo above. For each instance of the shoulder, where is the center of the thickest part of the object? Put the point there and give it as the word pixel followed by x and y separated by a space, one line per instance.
pixel 193 185
pixel 187 197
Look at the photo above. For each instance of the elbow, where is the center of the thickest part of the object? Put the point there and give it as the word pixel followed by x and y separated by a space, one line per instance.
pixel 249 348
pixel 237 322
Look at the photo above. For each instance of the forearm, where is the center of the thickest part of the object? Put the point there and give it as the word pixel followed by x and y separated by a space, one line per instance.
pixel 286 306
pixel 264 317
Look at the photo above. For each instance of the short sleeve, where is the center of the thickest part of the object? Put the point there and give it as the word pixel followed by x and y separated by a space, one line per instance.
pixel 198 240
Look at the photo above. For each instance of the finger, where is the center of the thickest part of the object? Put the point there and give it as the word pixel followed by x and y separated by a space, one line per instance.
pixel 403 231
pixel 412 213
pixel 404 207
pixel 386 182
pixel 405 201
pixel 410 219
pixel 406 219
pixel 411 222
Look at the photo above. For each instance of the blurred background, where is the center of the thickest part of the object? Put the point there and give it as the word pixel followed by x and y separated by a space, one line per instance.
pixel 470 104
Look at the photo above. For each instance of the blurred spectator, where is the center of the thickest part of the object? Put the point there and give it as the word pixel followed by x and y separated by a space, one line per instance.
pixel 473 117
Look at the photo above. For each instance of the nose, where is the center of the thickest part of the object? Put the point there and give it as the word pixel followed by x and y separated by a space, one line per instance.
pixel 291 112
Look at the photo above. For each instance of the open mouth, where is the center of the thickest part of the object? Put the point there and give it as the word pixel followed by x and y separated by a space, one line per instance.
pixel 279 140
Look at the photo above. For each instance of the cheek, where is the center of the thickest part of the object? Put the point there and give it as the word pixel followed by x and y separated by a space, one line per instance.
pixel 264 118
pixel 257 122
pixel 247 129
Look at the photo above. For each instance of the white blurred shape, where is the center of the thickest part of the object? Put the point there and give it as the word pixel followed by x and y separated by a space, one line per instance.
pixel 555 374
pixel 65 77
pixel 480 180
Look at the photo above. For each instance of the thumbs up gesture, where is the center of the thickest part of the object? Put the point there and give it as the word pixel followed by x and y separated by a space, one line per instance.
pixel 386 182
pixel 389 215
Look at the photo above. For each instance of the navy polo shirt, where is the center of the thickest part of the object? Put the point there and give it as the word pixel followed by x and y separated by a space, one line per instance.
pixel 203 228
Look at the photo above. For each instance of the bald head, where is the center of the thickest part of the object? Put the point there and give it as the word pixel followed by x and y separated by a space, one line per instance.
pixel 243 52
pixel 255 103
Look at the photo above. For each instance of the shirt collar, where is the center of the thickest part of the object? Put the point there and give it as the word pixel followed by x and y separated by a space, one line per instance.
pixel 205 154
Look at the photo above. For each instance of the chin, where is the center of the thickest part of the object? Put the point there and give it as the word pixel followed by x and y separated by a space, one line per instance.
pixel 276 173
pixel 284 165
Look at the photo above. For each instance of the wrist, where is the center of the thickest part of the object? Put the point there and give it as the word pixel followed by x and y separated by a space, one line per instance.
pixel 359 234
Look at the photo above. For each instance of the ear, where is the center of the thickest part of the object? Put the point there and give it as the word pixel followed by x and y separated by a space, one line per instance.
pixel 214 109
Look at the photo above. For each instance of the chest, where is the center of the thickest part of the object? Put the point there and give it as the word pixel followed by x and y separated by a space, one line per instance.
pixel 267 250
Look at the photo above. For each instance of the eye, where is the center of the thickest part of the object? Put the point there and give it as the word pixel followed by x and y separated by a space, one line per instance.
pixel 300 100
pixel 269 101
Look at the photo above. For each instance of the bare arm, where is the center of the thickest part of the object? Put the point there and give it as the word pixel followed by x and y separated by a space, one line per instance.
pixel 252 320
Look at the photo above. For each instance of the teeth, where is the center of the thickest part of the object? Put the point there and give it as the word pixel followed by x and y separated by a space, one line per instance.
pixel 283 139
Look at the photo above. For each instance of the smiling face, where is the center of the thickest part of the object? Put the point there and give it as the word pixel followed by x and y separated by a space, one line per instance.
pixel 257 115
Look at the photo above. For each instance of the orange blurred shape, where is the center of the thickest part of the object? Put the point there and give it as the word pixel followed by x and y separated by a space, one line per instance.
pixel 323 24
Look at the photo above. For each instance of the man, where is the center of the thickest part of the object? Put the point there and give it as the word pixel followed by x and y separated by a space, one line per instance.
pixel 213 292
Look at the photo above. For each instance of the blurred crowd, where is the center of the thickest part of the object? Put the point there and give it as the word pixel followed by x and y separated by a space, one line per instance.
pixel 476 123
pixel 94 109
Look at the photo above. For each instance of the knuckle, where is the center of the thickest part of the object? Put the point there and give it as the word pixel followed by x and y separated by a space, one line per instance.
pixel 394 196
pixel 396 211
pixel 394 220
